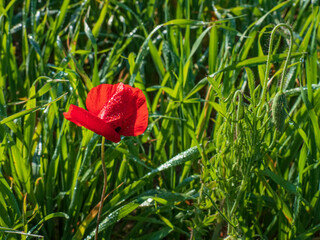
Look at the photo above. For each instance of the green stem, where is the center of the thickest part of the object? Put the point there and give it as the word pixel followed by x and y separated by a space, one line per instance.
pixel 238 113
pixel 264 91
pixel 104 169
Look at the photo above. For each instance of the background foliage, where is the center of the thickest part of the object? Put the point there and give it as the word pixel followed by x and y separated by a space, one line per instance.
pixel 220 158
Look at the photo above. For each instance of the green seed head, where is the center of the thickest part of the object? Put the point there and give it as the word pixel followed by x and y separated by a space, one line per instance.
pixel 240 113
pixel 279 111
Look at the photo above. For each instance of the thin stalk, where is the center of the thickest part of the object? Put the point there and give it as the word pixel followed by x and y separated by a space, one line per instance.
pixel 264 90
pixel 104 169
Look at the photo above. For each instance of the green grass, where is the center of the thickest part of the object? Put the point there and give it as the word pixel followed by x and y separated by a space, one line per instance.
pixel 220 157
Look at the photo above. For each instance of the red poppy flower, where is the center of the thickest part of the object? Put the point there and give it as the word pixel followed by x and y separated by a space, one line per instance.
pixel 113 110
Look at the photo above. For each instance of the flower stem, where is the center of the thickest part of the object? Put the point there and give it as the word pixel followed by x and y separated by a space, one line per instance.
pixel 264 90
pixel 104 187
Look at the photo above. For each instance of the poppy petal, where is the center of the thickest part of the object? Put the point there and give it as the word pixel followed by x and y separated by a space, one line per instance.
pixel 84 118
pixel 136 124
pixel 119 106
pixel 99 96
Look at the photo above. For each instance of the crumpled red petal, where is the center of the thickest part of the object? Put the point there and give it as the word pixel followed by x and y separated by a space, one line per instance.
pixel 99 96
pixel 136 123
pixel 84 118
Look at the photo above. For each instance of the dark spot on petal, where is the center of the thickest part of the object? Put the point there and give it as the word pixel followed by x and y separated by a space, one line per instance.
pixel 118 129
